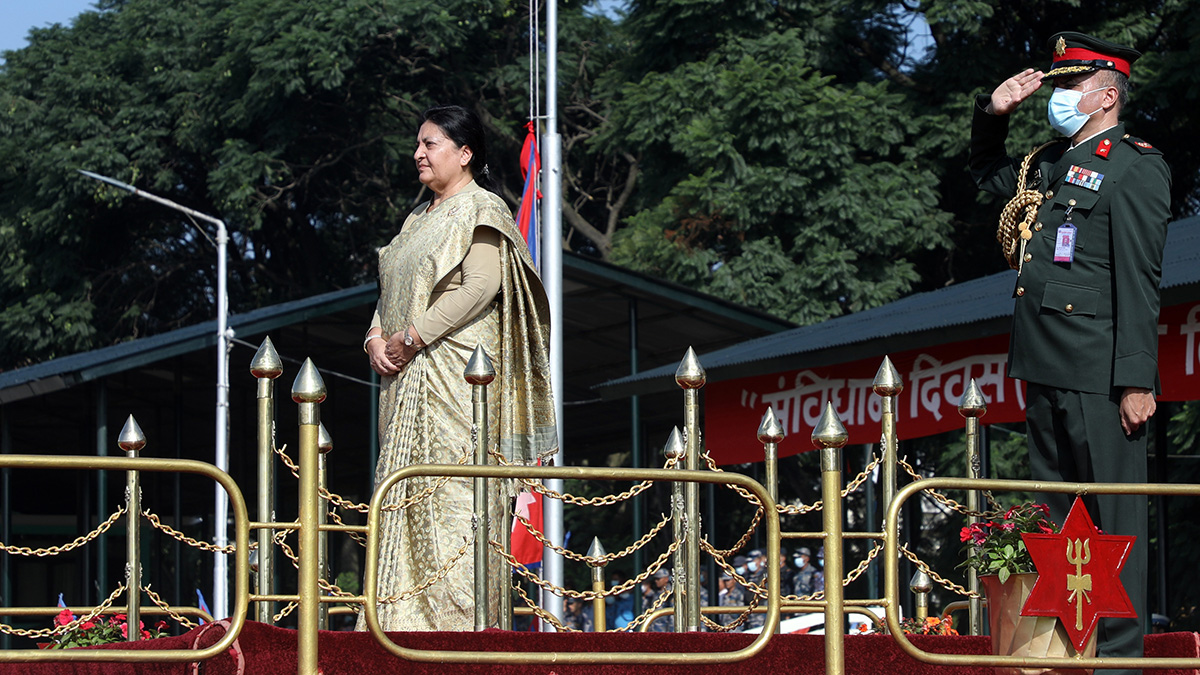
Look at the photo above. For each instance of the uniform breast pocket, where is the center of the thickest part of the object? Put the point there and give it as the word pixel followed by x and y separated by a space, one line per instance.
pixel 1070 300
pixel 1078 201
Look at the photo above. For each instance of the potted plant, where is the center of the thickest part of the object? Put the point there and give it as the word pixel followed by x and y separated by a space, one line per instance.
pixel 995 550
pixel 99 631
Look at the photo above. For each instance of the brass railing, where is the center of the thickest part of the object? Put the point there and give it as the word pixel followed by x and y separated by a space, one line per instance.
pixel 683 470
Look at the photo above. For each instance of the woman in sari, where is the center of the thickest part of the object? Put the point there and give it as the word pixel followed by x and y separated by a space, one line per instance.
pixel 457 275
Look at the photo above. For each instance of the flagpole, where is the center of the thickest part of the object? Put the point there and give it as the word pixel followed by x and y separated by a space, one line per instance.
pixel 552 565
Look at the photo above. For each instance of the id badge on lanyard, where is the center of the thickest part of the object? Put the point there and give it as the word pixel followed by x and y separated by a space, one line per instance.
pixel 1064 239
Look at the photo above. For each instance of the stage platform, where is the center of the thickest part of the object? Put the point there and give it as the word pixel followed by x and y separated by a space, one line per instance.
pixel 266 650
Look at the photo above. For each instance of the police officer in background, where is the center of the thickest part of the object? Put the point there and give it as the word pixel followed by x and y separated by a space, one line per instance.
pixel 1088 252
pixel 756 568
pixel 808 579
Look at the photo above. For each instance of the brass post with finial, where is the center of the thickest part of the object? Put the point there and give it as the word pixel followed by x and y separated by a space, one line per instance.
pixel 830 436
pixel 324 444
pixel 973 406
pixel 479 374
pixel 888 386
pixel 690 377
pixel 308 390
pixel 265 367
pixel 674 450
pixel 132 440
pixel 597 552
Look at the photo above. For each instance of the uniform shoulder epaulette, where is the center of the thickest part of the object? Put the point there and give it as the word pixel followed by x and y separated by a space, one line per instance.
pixel 1142 146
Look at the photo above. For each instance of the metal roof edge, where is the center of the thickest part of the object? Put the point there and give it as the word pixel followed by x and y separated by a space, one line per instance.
pixel 73 369
pixel 1180 283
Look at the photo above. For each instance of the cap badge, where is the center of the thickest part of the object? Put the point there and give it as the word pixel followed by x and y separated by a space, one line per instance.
pixel 1060 47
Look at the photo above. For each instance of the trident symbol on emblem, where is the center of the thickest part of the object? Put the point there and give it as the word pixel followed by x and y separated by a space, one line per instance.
pixel 1079 554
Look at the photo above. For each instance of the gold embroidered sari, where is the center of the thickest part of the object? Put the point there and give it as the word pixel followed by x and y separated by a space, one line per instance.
pixel 425 410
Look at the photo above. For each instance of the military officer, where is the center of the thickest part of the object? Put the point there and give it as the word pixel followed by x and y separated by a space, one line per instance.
pixel 1093 208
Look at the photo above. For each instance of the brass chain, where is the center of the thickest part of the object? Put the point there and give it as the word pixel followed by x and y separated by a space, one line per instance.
pixel 736 623
pixel 950 503
pixel 745 537
pixel 79 541
pixel 68 627
pixel 720 559
pixel 846 491
pixel 746 494
pixel 605 500
pixel 850 578
pixel 344 503
pixel 441 574
pixel 157 522
pixel 579 557
pixel 641 618
pixel 287 609
pixel 542 614
pixel 362 541
pixel 944 582
pixel 330 588
pixel 628 584
pixel 162 604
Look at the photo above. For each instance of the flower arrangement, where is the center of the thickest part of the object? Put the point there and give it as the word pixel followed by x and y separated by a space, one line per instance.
pixel 100 632
pixel 995 546
pixel 931 625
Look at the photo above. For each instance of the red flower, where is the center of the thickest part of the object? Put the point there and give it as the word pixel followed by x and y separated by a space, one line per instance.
pixel 125 631
pixel 64 617
pixel 87 625
pixel 145 635
pixel 965 534
pixel 160 626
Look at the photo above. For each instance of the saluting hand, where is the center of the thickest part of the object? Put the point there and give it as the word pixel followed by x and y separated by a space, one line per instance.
pixel 1137 406
pixel 1014 90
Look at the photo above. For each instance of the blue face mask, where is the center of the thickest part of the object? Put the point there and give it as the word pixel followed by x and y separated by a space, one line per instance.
pixel 753 566
pixel 1063 110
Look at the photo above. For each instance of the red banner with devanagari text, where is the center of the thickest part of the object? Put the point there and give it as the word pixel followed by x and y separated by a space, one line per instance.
pixel 934 379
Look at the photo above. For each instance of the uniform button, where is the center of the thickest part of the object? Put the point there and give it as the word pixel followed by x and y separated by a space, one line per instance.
pixel 1070 202
pixel 1070 308
pixel 1037 228
pixel 1049 194
pixel 1020 291
pixel 1028 257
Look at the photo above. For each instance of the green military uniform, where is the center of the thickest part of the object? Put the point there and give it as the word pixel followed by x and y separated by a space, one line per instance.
pixel 1083 330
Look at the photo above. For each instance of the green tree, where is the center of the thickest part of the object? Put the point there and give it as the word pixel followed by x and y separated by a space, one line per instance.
pixel 807 157
pixel 292 120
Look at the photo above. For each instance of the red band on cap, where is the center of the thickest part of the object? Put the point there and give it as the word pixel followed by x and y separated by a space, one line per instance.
pixel 1081 54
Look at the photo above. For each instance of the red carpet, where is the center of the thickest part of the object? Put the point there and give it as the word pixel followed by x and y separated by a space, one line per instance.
pixel 272 651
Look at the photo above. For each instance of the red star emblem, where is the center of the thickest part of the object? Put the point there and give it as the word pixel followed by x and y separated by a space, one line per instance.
pixel 1079 575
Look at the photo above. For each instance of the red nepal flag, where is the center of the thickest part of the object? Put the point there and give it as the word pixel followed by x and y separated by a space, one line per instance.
pixel 525 547
pixel 531 166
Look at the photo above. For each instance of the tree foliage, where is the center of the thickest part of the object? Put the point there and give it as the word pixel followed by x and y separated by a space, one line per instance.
pixel 807 157
pixel 804 157
pixel 291 120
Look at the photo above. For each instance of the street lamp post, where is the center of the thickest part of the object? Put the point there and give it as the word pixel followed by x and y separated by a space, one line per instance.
pixel 224 335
